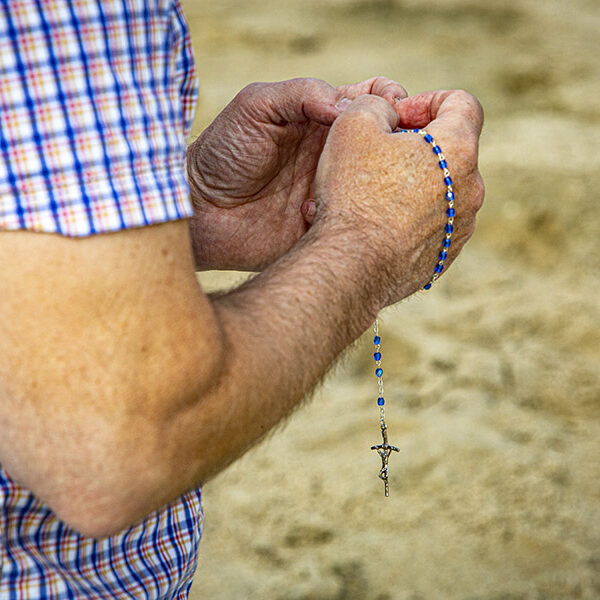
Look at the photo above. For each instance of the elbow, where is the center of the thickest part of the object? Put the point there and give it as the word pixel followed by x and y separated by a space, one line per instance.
pixel 118 452
pixel 106 508
pixel 96 513
pixel 96 524
pixel 102 493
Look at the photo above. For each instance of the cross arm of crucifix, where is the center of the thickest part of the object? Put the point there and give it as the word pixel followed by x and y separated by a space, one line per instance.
pixel 384 450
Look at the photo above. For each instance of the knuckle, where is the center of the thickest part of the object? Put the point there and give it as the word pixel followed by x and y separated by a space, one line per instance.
pixel 462 95
pixel 379 82
pixel 470 230
pixel 467 98
pixel 385 84
pixel 466 232
pixel 477 108
pixel 251 90
pixel 366 109
pixel 308 82
pixel 369 100
pixel 254 87
pixel 472 195
pixel 466 235
pixel 479 192
pixel 474 106
pixel 376 105
pixel 307 87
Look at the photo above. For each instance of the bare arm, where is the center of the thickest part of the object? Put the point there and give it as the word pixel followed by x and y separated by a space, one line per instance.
pixel 123 385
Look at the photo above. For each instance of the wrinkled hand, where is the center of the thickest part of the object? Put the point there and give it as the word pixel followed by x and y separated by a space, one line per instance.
pixel 381 193
pixel 252 170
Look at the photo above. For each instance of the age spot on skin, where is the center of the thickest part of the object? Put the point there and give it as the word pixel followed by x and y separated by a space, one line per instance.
pixel 168 255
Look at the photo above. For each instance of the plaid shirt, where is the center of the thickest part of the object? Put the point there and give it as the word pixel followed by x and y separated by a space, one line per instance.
pixel 96 103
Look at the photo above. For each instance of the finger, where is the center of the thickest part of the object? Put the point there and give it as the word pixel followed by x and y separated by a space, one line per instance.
pixel 320 106
pixel 388 89
pixel 384 87
pixel 292 101
pixel 455 111
pixel 372 112
pixel 307 99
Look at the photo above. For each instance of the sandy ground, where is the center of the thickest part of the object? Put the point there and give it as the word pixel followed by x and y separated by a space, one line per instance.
pixel 492 378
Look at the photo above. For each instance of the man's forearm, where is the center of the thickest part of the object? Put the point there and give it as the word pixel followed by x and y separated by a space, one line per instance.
pixel 280 332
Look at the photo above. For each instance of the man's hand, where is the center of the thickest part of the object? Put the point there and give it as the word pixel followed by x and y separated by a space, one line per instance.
pixel 252 171
pixel 385 190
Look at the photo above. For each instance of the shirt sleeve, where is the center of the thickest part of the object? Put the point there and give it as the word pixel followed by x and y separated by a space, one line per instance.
pixel 96 103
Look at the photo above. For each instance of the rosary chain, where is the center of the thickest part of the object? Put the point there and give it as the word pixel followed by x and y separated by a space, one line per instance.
pixel 450 198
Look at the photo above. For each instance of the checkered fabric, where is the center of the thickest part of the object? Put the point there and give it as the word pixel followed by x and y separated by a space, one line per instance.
pixel 41 558
pixel 96 103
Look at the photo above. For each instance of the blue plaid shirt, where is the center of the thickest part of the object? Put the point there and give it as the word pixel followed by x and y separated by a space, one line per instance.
pixel 96 103
pixel 97 99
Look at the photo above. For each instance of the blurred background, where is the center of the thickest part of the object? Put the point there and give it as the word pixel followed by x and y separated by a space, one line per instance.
pixel 492 378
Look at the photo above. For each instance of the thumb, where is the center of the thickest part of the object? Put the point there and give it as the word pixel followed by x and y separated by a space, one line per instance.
pixel 376 112
pixel 302 99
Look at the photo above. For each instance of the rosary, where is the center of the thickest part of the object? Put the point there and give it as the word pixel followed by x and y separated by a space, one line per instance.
pixel 385 449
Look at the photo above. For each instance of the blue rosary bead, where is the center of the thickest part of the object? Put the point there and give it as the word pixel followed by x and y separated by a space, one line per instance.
pixel 450 197
pixel 380 401
pixel 377 340
pixel 377 356
pixel 379 372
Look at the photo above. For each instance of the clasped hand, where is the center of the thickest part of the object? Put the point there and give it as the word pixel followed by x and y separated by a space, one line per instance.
pixel 252 170
pixel 254 181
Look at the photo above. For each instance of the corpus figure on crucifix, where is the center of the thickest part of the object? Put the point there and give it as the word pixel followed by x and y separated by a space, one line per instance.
pixel 384 450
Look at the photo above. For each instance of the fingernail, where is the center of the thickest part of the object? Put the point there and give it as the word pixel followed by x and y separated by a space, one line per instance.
pixel 343 104
pixel 309 208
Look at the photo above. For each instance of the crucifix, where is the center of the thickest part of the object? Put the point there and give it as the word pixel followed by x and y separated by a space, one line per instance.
pixel 384 450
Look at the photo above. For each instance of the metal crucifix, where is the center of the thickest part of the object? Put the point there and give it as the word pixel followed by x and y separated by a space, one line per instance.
pixel 384 450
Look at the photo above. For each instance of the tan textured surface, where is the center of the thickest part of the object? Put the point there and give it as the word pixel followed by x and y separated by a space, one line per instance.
pixel 493 378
